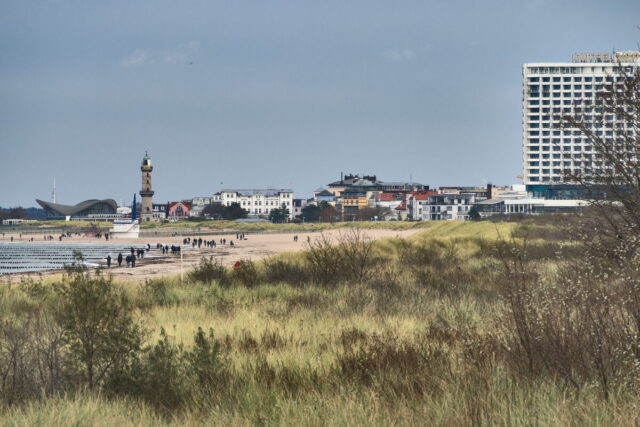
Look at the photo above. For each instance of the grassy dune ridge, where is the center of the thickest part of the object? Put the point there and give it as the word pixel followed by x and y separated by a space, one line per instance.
pixel 188 226
pixel 420 340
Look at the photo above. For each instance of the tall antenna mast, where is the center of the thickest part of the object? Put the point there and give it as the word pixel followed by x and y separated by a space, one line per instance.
pixel 53 192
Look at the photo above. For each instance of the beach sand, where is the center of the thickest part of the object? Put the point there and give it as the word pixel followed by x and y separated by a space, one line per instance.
pixel 255 247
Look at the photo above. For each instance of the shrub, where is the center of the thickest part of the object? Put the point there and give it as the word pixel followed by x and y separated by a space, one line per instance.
pixel 209 270
pixel 356 253
pixel 156 376
pixel 575 327
pixel 436 265
pixel 350 259
pixel 169 376
pixel 245 273
pixel 280 271
pixel 33 359
pixel 155 292
pixel 97 320
pixel 203 362
pixel 324 260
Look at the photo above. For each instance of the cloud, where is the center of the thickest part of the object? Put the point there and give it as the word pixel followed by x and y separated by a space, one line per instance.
pixel 136 58
pixel 399 54
pixel 181 54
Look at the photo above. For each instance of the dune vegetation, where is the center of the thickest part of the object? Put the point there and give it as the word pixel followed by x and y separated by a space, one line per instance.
pixel 287 227
pixel 196 226
pixel 461 324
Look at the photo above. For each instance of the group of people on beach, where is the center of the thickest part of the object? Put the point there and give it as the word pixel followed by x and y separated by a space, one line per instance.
pixel 173 249
pixel 129 259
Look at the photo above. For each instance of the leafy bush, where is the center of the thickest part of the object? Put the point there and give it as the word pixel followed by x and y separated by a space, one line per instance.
pixel 98 324
pixel 169 376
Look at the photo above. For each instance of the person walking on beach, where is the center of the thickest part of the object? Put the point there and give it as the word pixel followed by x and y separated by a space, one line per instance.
pixel 133 261
pixel 108 261
pixel 129 260
pixel 120 259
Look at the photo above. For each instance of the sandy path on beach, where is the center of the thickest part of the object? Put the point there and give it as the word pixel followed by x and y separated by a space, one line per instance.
pixel 257 246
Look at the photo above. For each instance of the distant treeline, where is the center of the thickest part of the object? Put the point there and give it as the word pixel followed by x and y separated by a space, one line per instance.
pixel 22 213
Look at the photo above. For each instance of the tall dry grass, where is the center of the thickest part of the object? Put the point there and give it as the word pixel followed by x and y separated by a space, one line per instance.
pixel 442 328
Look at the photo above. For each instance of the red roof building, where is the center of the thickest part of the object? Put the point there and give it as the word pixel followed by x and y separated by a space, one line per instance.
pixel 178 210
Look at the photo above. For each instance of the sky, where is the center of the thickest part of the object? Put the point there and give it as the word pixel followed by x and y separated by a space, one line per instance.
pixel 279 93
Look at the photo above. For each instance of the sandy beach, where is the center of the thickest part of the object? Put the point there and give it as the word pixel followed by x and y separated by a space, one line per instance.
pixel 255 247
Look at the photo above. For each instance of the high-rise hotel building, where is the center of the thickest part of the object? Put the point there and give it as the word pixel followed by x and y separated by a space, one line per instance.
pixel 551 90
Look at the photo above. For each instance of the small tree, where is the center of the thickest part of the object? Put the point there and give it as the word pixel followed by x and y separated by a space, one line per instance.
pixel 328 213
pixel 311 213
pixel 279 215
pixel 234 211
pixel 98 323
pixel 378 212
pixel 474 215
pixel 214 210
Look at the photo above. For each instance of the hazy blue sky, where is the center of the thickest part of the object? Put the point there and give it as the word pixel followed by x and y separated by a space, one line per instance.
pixel 275 93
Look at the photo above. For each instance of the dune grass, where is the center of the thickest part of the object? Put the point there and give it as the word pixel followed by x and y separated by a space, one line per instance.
pixel 419 342
pixel 290 227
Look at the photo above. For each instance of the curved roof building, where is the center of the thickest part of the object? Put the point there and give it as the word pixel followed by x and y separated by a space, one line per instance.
pixel 84 209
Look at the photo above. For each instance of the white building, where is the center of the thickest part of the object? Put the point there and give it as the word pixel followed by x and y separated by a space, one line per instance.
pixel 159 211
pixel 436 207
pixel 198 204
pixel 516 200
pixel 527 205
pixel 259 202
pixel 15 221
pixel 298 205
pixel 551 90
